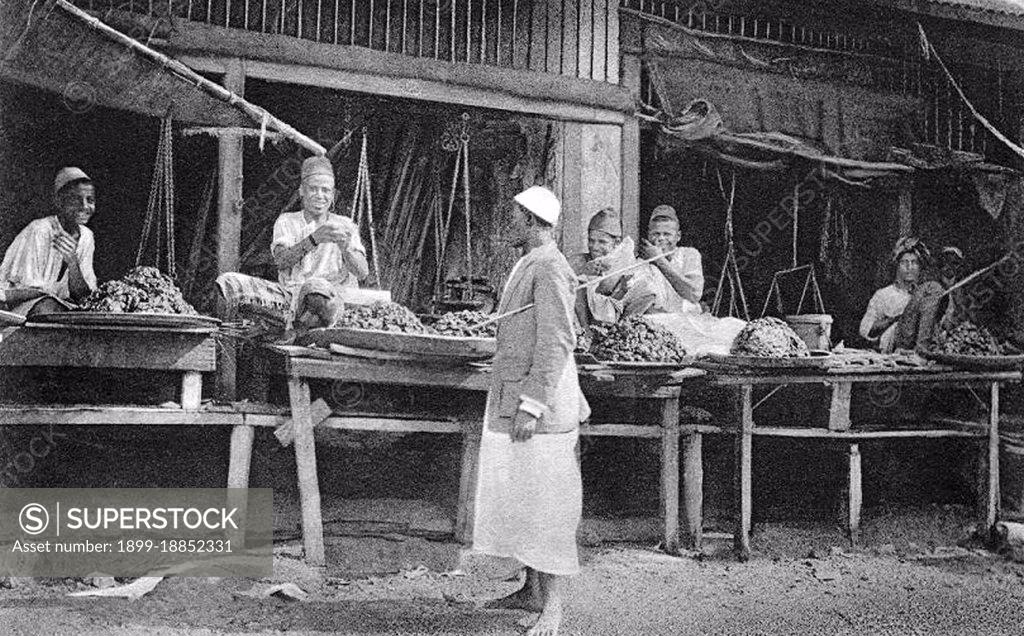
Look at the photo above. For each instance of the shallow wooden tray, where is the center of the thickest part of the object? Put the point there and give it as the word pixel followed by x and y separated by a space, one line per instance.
pixel 817 360
pixel 456 348
pixel 122 319
pixel 1005 362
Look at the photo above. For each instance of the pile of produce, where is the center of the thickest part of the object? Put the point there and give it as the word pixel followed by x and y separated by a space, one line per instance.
pixel 635 340
pixel 769 338
pixel 968 339
pixel 381 316
pixel 584 341
pixel 144 289
pixel 461 324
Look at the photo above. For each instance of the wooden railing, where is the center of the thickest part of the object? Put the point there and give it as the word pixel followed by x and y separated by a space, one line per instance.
pixel 577 38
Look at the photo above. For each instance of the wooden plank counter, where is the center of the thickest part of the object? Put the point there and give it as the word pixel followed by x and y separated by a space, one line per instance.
pixel 840 381
pixel 188 351
pixel 662 388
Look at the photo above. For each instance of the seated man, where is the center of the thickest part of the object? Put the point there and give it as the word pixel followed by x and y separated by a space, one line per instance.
pixel 49 264
pixel 678 279
pixel 318 254
pixel 930 310
pixel 613 297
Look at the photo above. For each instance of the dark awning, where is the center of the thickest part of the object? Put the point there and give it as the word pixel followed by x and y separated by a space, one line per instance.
pixel 52 45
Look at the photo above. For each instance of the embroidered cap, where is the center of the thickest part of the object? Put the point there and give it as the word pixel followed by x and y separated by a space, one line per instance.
pixel 664 213
pixel 66 176
pixel 317 165
pixel 607 221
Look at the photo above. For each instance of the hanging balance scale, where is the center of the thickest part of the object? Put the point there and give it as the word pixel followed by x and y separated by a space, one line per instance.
pixel 466 292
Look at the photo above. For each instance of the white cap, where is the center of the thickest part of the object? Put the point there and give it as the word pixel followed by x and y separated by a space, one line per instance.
pixel 66 176
pixel 541 202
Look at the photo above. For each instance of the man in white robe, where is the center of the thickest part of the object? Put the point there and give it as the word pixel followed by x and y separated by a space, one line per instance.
pixel 529 491
pixel 49 263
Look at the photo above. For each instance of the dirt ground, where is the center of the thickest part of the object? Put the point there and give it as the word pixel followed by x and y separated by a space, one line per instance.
pixel 392 568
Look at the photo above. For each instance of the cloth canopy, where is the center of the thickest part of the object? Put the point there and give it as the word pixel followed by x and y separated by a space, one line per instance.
pixel 54 46
pixel 699 127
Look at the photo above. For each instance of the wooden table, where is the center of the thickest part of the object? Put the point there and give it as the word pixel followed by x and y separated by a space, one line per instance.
pixel 840 381
pixel 188 351
pixel 660 387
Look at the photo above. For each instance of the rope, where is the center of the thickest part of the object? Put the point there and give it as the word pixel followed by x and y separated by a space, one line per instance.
pixel 468 292
pixel 796 220
pixel 161 199
pixel 730 269
pixel 362 201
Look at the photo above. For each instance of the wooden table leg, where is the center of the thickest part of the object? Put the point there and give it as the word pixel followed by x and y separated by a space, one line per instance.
pixel 305 463
pixel 992 509
pixel 856 496
pixel 744 476
pixel 839 408
pixel 464 516
pixel 191 390
pixel 693 488
pixel 670 472
pixel 241 456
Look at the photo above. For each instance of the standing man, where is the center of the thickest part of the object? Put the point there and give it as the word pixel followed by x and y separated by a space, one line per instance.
pixel 529 492
pixel 317 253
pixel 49 264
pixel 678 279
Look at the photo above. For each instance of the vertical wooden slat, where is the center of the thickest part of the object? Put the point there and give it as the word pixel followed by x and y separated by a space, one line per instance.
pixel 599 63
pixel 522 25
pixel 553 62
pixel 570 37
pixel 586 39
pixel 611 44
pixel 538 35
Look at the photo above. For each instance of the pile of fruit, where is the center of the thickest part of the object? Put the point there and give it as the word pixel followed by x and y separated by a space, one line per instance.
pixel 635 340
pixel 142 290
pixel 968 339
pixel 769 338
pixel 584 340
pixel 381 316
pixel 462 324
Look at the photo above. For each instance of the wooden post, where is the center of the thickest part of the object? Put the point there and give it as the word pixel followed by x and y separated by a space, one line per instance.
pixel 229 220
pixel 241 456
pixel 573 237
pixel 630 148
pixel 670 472
pixel 839 409
pixel 856 497
pixel 905 226
pixel 464 516
pixel 305 464
pixel 744 476
pixel 693 488
pixel 191 390
pixel 992 509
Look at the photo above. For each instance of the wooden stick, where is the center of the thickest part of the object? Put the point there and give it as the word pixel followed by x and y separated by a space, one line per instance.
pixel 980 272
pixel 592 283
pixel 256 113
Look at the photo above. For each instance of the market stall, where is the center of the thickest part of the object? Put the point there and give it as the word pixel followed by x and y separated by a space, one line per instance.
pixel 660 386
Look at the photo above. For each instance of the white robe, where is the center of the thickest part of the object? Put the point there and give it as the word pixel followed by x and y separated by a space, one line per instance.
pixel 529 498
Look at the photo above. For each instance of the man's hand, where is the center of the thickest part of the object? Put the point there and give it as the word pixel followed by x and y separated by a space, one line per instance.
pixel 595 268
pixel 649 250
pixel 66 247
pixel 524 426
pixel 331 233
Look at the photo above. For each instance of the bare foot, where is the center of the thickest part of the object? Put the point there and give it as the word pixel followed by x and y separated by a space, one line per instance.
pixel 549 622
pixel 524 599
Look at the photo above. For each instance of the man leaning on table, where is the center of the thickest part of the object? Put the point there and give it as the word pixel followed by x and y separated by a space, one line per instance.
pixel 49 264
pixel 529 492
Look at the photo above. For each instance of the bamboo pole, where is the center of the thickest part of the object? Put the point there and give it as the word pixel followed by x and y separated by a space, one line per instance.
pixel 256 113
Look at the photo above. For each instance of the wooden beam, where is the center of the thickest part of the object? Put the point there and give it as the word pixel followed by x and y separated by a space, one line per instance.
pixel 305 463
pixel 670 474
pixel 693 488
pixel 83 415
pixel 822 433
pixel 422 89
pixel 59 346
pixel 229 166
pixel 521 88
pixel 855 494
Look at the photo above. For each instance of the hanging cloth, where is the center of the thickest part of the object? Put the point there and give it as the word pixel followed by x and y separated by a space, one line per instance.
pixel 161 202
pixel 362 206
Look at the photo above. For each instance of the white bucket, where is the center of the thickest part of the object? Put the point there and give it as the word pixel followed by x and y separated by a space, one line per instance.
pixel 814 329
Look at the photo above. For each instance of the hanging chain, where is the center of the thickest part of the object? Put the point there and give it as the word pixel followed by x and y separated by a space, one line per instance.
pixel 161 199
pixel 362 201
